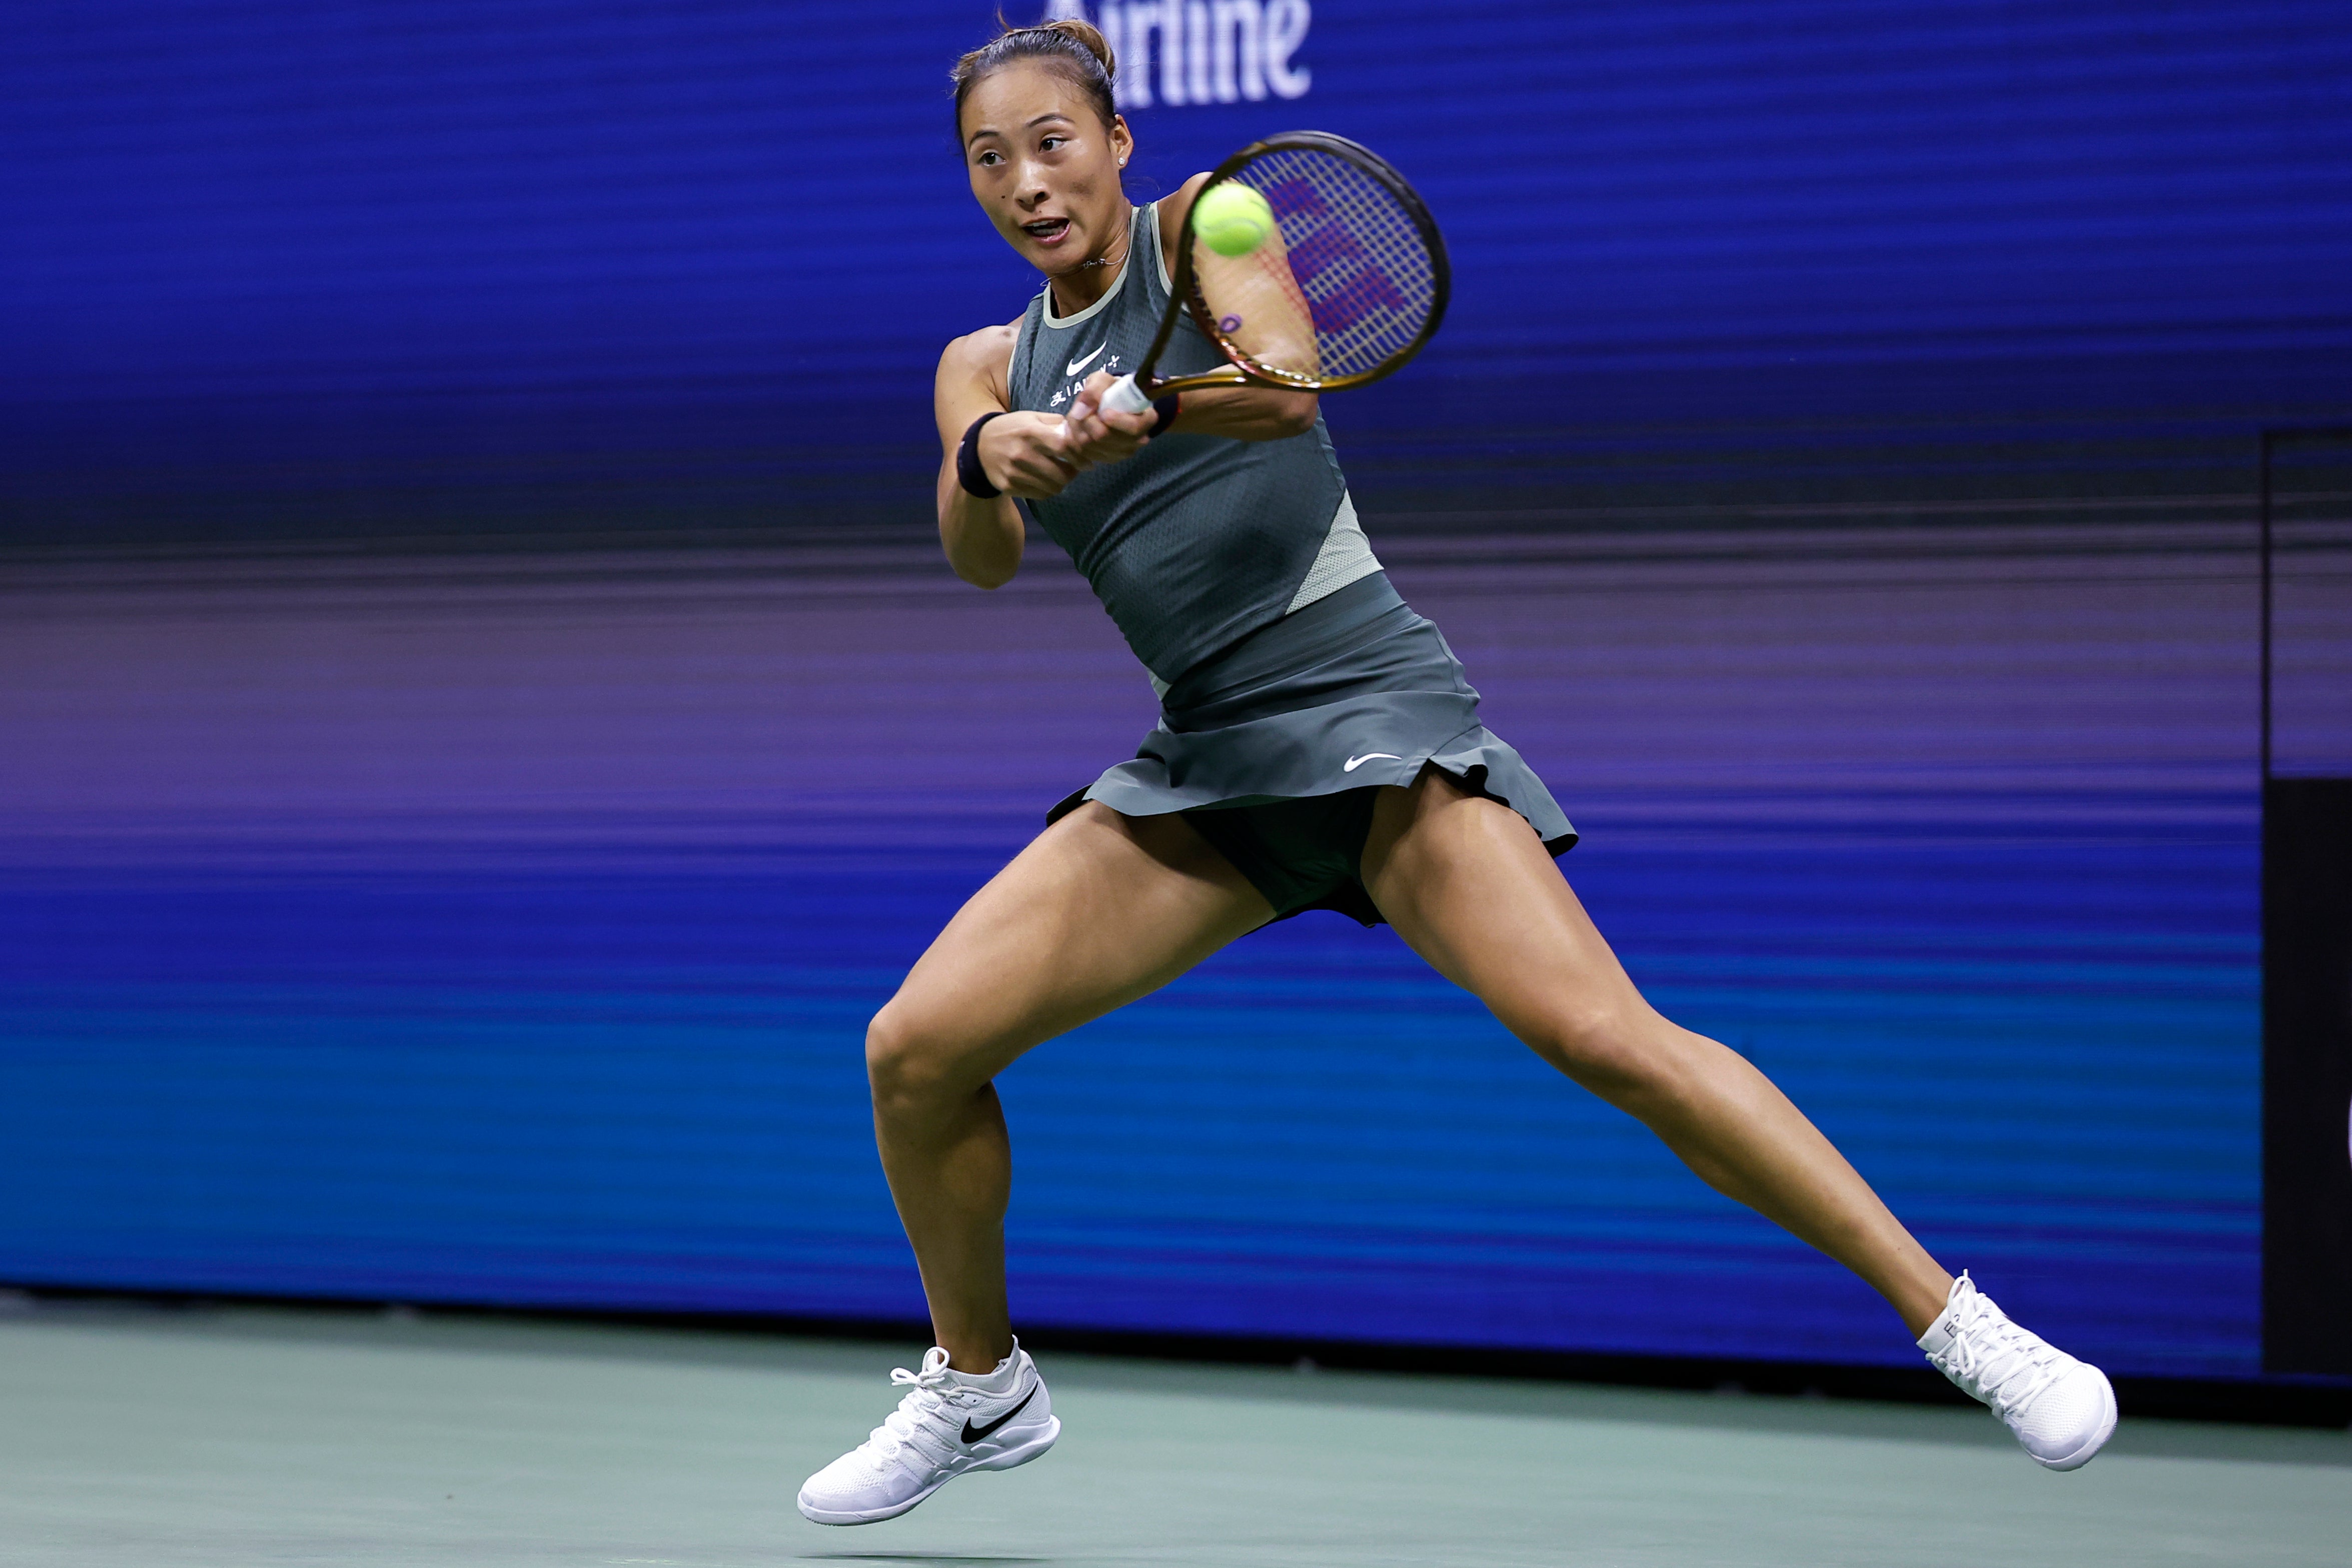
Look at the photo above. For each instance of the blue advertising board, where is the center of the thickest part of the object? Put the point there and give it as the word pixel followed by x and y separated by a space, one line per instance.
pixel 502 928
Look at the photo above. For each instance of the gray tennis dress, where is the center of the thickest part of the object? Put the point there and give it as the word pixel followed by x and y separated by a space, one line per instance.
pixel 1293 680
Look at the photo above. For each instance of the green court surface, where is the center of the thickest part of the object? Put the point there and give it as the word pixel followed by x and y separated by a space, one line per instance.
pixel 153 1440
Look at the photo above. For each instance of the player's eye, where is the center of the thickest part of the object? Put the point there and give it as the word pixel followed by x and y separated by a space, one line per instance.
pixel 1048 143
pixel 990 160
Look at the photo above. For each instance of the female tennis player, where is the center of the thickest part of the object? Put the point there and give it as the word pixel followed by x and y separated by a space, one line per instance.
pixel 1318 747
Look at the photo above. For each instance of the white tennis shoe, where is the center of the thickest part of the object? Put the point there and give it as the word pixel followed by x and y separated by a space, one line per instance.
pixel 2062 1410
pixel 947 1423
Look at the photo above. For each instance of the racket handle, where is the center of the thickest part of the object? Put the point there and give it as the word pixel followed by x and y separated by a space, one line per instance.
pixel 1123 396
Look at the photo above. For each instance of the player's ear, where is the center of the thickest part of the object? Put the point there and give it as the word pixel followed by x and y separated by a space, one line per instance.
pixel 1123 140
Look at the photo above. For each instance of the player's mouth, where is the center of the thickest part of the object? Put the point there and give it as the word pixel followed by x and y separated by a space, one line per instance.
pixel 1048 232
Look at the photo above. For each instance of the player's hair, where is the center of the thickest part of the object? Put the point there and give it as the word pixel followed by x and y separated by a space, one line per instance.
pixel 1069 45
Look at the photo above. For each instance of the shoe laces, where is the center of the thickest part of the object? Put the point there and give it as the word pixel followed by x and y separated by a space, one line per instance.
pixel 2003 1365
pixel 920 1413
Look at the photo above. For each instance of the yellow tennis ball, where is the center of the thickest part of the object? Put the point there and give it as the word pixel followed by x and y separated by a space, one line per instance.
pixel 1231 219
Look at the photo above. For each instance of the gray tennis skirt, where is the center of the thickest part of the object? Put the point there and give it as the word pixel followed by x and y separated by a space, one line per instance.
pixel 1273 747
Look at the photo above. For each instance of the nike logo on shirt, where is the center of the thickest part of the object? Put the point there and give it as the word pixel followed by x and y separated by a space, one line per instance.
pixel 972 1434
pixel 1075 366
pixel 1355 762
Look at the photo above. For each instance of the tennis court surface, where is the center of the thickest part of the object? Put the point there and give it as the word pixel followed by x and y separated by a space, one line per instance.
pixel 245 1436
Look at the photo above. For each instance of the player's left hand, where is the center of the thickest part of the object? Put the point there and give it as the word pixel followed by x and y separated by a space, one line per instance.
pixel 1096 435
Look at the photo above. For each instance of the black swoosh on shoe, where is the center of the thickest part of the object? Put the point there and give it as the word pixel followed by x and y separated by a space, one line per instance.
pixel 972 1434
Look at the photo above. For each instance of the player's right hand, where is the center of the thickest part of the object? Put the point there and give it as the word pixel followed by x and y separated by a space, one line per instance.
pixel 1026 455
pixel 1097 435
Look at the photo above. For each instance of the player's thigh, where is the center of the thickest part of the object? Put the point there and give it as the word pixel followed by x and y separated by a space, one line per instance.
pixel 1468 886
pixel 1098 910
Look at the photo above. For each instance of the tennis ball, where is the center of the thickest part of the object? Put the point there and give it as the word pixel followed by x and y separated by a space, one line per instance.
pixel 1231 219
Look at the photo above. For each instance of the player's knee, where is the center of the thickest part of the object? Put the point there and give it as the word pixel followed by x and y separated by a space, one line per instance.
pixel 905 1066
pixel 1618 1051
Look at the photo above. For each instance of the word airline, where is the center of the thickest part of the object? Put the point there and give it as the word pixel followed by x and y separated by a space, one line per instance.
pixel 1208 51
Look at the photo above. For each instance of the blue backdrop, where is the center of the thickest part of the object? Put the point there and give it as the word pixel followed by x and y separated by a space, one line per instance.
pixel 501 927
pixel 501 264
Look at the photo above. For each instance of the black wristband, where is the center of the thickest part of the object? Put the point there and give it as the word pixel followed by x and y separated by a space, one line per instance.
pixel 1164 412
pixel 969 473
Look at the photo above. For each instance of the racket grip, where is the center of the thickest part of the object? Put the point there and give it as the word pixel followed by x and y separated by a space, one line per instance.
pixel 1123 396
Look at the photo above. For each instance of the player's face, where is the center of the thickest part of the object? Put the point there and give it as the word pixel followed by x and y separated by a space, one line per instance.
pixel 1045 166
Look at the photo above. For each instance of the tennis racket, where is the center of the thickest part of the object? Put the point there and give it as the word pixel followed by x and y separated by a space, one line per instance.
pixel 1351 285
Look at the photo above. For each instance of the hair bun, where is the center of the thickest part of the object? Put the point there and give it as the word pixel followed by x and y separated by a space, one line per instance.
pixel 1088 36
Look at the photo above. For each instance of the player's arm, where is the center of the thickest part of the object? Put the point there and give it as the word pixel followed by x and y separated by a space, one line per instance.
pixel 1019 452
pixel 1244 413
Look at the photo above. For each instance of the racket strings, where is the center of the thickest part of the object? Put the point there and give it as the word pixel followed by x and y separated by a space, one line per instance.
pixel 1258 307
pixel 1352 255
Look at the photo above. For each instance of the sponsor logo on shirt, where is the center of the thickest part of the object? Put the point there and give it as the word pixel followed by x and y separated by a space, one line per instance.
pixel 1070 387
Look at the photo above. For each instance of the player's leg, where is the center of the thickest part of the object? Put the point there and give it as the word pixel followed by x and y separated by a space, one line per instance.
pixel 1470 888
pixel 1098 910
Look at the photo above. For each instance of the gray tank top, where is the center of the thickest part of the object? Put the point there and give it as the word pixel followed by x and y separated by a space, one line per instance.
pixel 1197 540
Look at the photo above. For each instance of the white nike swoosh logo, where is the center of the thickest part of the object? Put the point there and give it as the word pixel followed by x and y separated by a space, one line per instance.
pixel 1355 762
pixel 1075 366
